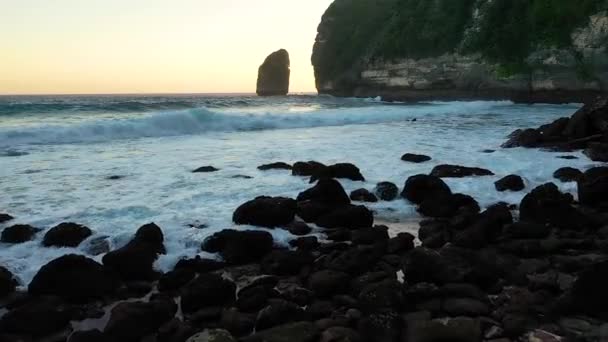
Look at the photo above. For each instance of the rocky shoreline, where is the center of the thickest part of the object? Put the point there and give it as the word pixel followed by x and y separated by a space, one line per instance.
pixel 537 271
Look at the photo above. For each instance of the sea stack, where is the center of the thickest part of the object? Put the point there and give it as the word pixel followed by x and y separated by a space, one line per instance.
pixel 273 74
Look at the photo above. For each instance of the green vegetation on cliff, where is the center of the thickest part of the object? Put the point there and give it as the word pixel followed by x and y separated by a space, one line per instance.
pixel 503 31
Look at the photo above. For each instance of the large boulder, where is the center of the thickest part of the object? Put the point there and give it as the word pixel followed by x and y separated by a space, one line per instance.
pixel 38 317
pixel 74 278
pixel 207 290
pixel 386 191
pixel 131 321
pixel 328 191
pixel 448 205
pixel 66 235
pixel 239 247
pixel 415 158
pixel 593 187
pixel 273 74
pixel 18 233
pixel 546 204
pixel 340 170
pixel 135 260
pixel 363 195
pixel 420 187
pixel 456 171
pixel 510 182
pixel 597 152
pixel 567 174
pixel 347 216
pixel 308 168
pixel 266 212
pixel 8 283
pixel 524 138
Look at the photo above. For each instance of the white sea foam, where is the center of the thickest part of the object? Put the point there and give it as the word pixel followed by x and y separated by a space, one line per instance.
pixel 52 183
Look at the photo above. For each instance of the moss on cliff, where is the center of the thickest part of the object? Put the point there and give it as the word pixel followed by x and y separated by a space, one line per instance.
pixel 505 32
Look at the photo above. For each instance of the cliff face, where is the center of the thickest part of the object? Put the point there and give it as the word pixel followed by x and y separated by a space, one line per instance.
pixel 273 74
pixel 524 50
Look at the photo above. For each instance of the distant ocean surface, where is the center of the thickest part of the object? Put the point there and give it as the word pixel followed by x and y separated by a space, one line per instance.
pixel 57 152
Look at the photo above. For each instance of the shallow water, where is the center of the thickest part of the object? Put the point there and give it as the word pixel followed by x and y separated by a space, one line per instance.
pixel 56 155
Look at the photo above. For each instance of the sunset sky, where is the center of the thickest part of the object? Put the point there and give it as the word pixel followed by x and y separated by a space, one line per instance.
pixel 152 46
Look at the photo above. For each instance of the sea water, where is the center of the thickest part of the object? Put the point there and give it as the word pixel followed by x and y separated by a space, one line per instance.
pixel 57 154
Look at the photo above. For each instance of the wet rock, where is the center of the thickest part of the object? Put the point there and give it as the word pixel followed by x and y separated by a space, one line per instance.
pixel 546 204
pixel 73 278
pixel 266 212
pixel 465 307
pixel 285 262
pixel 589 290
pixel 527 230
pixel 453 330
pixel 363 195
pixel 456 171
pixel 207 290
pixel 511 182
pixel 18 233
pixel 115 177
pixel 420 187
pixel 87 336
pixel 239 247
pixel 237 323
pixel 174 331
pixel 327 282
pixel 369 236
pixel 593 187
pixel 135 260
pixel 597 152
pixel 567 157
pixel 403 242
pixel 340 334
pixel 448 205
pixel 5 217
pixel 415 158
pixel 298 228
pixel 200 265
pixel 382 326
pixel 131 321
pixel 66 235
pixel 524 138
pixel 307 243
pixel 383 295
pixel 8 283
pixel 275 166
pixel 241 177
pixel 386 191
pixel 340 170
pixel 567 174
pixel 273 74
pixel 347 216
pixel 254 298
pixel 38 317
pixel 292 332
pixel 97 246
pixel 279 312
pixel 212 335
pixel 328 191
pixel 307 168
pixel 174 280
pixel 310 211
pixel 205 169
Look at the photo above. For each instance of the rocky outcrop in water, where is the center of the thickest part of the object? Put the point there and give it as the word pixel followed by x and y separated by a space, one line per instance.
pixel 273 74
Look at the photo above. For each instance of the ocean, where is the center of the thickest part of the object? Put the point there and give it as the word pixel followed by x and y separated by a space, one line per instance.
pixel 59 153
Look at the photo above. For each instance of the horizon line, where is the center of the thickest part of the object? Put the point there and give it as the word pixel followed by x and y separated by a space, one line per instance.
pixel 151 94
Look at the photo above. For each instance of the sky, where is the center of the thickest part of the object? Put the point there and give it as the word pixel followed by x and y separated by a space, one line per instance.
pixel 152 46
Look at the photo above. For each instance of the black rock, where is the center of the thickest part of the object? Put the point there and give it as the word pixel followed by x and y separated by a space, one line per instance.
pixel 205 169
pixel 527 230
pixel 174 280
pixel 310 211
pixel 593 187
pixel 275 166
pixel 87 336
pixel 403 242
pixel 18 233
pixel 420 187
pixel 589 290
pixel 363 195
pixel 415 158
pixel 8 283
pixel 347 216
pixel 328 191
pixel 37 317
pixel 356 260
pixel 454 330
pixel 279 312
pixel 135 260
pixel 341 170
pixel 510 182
pixel 291 332
pixel 5 217
pixel 74 278
pixel 386 294
pixel 266 212
pixel 381 326
pixel 597 152
pixel 386 191
pixel 448 205
pixel 326 283
pixel 298 228
pixel 254 298
pixel 524 138
pixel 546 204
pixel 285 262
pixel 567 174
pixel 370 235
pixel 307 243
pixel 199 265
pixel 239 247
pixel 207 290
pixel 66 235
pixel 307 168
pixel 239 324
pixel 567 157
pixel 273 74
pixel 131 321
pixel 456 171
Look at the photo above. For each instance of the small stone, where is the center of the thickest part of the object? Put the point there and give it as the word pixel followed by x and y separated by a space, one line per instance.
pixel 205 169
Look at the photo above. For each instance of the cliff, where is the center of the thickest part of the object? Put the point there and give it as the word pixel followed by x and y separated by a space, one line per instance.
pixel 273 74
pixel 523 50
